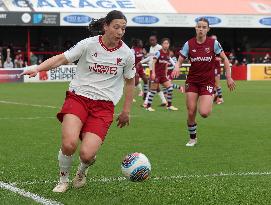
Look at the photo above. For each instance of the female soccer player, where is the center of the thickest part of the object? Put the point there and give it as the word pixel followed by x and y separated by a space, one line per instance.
pixel 159 75
pixel 137 49
pixel 200 82
pixel 87 113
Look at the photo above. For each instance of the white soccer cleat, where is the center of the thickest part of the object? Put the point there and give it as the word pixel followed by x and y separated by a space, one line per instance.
pixel 191 142
pixel 80 179
pixel 219 101
pixel 172 108
pixel 61 187
pixel 150 109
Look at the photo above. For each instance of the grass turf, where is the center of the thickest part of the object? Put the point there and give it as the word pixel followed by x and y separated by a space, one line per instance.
pixel 235 139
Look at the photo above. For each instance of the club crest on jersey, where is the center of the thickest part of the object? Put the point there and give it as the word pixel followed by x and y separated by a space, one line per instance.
pixel 207 50
pixel 194 50
pixel 119 60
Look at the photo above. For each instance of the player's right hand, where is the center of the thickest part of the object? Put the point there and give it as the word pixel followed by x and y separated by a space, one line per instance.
pixel 175 73
pixel 31 73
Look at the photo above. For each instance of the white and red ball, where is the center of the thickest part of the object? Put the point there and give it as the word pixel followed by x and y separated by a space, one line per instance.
pixel 136 167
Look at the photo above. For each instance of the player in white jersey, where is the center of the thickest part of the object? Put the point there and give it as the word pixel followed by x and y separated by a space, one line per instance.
pixel 105 62
pixel 154 47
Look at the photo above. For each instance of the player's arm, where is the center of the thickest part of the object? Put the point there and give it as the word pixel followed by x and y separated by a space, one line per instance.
pixel 176 72
pixel 230 81
pixel 49 64
pixel 183 55
pixel 218 50
pixel 129 76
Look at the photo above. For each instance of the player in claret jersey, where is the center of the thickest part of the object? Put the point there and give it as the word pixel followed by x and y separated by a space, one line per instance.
pixel 159 75
pixel 199 86
pixel 105 64
pixel 137 49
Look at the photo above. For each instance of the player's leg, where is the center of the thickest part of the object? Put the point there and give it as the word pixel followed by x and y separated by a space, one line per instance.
pixel 162 97
pixel 219 98
pixel 191 105
pixel 89 147
pixel 205 105
pixel 153 90
pixel 71 127
pixel 167 84
pixel 94 132
pixel 145 84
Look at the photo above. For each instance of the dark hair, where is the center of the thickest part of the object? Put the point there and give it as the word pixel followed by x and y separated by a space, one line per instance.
pixel 165 39
pixel 96 25
pixel 204 20
pixel 136 42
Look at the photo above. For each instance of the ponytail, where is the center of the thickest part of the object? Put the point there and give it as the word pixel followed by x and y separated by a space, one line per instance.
pixel 96 27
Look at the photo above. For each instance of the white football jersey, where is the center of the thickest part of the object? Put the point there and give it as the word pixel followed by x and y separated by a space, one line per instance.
pixel 100 71
pixel 152 51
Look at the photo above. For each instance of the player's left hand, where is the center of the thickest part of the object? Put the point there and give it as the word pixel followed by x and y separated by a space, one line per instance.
pixel 123 119
pixel 231 84
pixel 175 73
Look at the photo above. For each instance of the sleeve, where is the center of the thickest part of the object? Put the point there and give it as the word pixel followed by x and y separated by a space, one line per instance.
pixel 172 61
pixel 217 47
pixel 185 50
pixel 75 52
pixel 129 68
pixel 145 60
pixel 133 51
pixel 156 55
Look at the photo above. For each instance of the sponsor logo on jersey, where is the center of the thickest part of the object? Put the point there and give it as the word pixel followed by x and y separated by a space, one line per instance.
pixel 104 69
pixel 95 54
pixel 207 50
pixel 202 59
pixel 119 60
pixel 145 19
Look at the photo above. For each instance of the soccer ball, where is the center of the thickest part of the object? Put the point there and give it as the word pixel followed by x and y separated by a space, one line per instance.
pixel 136 167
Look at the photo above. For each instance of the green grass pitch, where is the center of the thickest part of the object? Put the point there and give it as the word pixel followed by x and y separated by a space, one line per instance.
pixel 230 165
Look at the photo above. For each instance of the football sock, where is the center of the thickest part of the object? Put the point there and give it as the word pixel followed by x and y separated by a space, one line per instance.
pixel 146 89
pixel 161 95
pixel 150 98
pixel 219 92
pixel 192 129
pixel 175 86
pixel 169 96
pixel 65 163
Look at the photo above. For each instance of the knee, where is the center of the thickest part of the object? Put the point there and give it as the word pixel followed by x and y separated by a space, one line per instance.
pixel 86 156
pixel 205 114
pixel 69 146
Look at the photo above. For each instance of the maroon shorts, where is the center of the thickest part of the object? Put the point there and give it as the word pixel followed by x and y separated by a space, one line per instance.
pixel 160 79
pixel 140 72
pixel 96 115
pixel 201 89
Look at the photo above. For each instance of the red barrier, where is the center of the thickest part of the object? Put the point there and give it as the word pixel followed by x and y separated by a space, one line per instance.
pixel 239 72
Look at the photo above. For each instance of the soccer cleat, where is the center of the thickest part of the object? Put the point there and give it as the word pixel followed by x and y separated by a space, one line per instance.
pixel 80 178
pixel 61 187
pixel 191 142
pixel 219 101
pixel 172 108
pixel 150 109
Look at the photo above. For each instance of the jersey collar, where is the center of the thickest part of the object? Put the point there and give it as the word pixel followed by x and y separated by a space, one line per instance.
pixel 109 49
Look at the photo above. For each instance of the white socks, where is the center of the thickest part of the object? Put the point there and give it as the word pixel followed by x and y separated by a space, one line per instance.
pixel 161 95
pixel 65 163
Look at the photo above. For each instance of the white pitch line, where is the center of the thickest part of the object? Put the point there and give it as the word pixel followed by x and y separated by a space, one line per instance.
pixel 26 104
pixel 162 178
pixel 27 194
pixel 25 118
